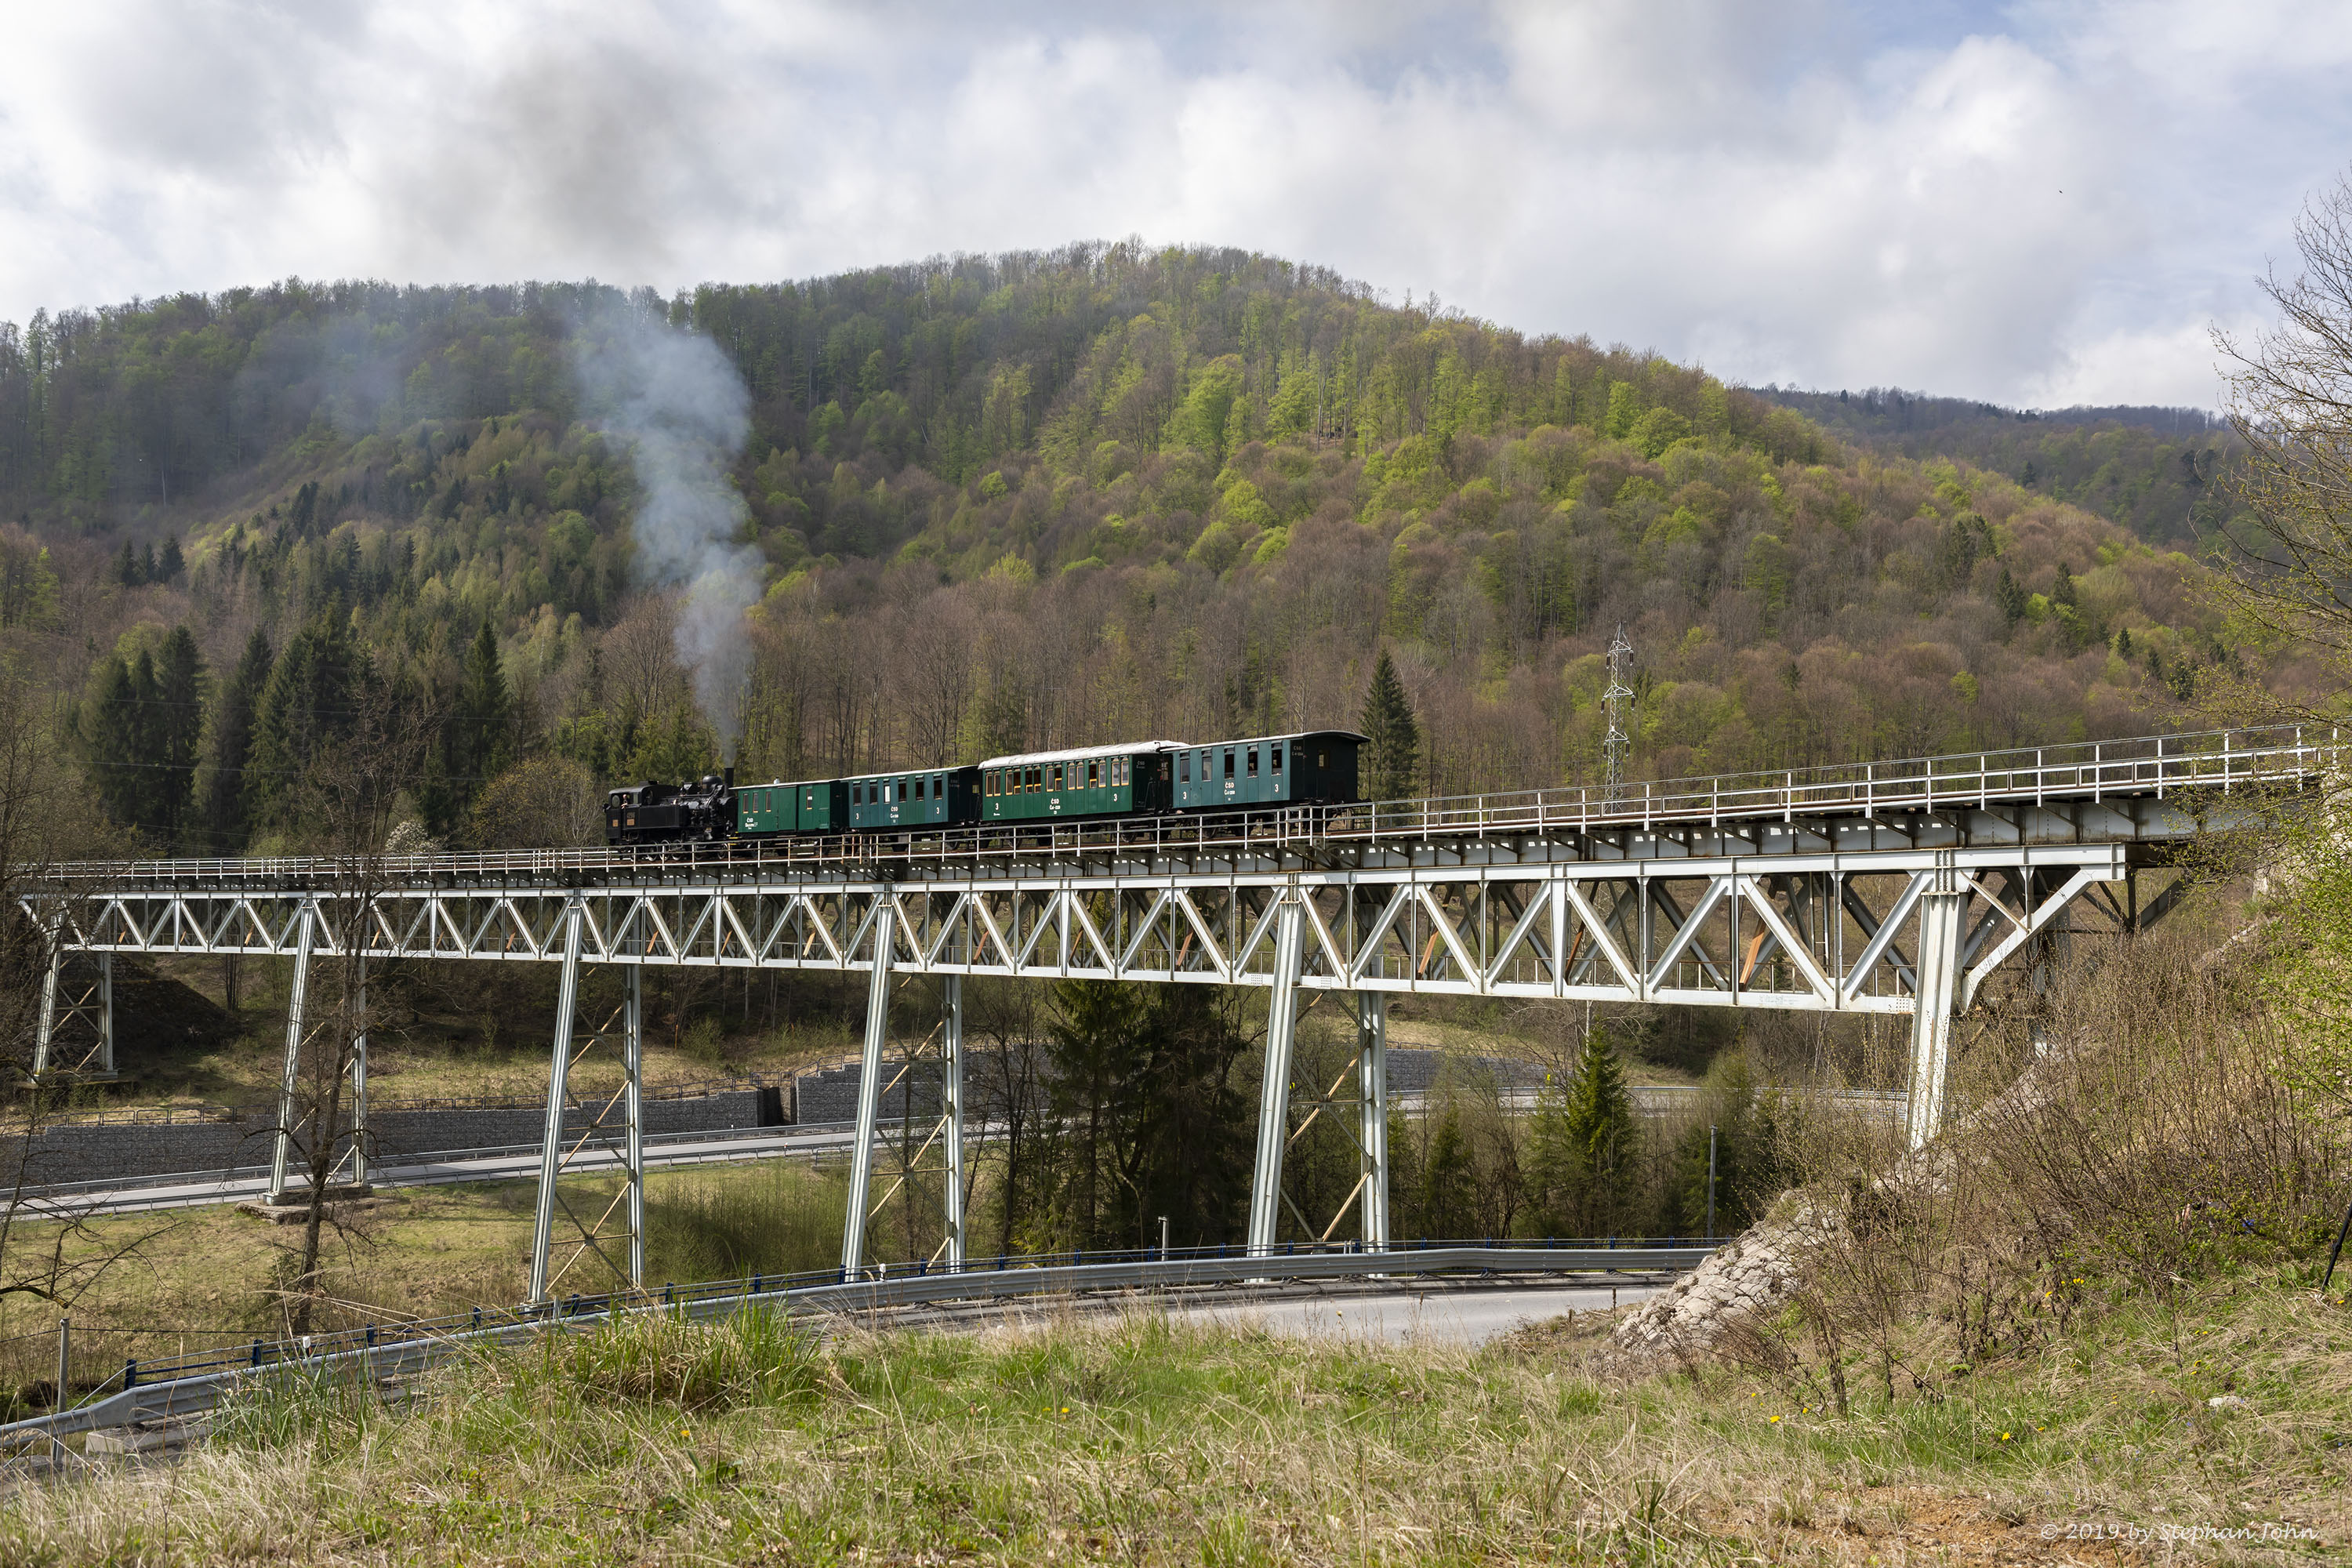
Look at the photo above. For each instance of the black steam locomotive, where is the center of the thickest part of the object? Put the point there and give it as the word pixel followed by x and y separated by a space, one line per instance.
pixel 1145 778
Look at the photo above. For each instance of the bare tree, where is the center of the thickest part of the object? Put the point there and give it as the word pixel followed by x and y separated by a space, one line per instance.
pixel 349 795
pixel 1007 1076
pixel 640 655
pixel 2290 400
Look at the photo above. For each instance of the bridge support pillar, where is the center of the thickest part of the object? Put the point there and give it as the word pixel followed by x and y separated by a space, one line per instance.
pixel 47 1027
pixel 306 921
pixel 1373 1132
pixel 358 1076
pixel 106 1014
pixel 96 1004
pixel 951 1092
pixel 869 1091
pixel 559 1073
pixel 1940 909
pixel 632 1090
pixel 1274 1100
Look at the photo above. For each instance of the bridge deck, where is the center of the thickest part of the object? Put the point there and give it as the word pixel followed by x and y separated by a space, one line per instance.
pixel 2152 790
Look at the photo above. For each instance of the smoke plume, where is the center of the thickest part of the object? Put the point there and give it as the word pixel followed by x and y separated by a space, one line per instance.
pixel 684 412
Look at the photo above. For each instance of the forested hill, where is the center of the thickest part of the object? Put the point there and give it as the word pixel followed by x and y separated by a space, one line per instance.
pixel 2153 469
pixel 1028 500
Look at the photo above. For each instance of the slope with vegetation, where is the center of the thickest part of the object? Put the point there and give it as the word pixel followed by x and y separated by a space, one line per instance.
pixel 2160 472
pixel 1037 500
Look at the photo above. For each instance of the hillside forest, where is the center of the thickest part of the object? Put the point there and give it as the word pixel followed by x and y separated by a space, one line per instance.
pixel 1004 503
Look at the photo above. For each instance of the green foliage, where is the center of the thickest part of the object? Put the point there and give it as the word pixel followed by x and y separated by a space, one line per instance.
pixel 481 739
pixel 1751 1135
pixel 1392 762
pixel 2160 472
pixel 1263 476
pixel 224 790
pixel 1583 1146
pixel 307 704
pixel 1148 1119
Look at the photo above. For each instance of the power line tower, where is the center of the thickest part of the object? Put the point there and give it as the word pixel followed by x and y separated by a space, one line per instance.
pixel 1614 745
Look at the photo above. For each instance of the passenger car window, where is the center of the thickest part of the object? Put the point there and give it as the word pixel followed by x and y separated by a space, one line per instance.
pixel 1253 761
pixel 1278 757
pixel 1229 761
pixel 1184 768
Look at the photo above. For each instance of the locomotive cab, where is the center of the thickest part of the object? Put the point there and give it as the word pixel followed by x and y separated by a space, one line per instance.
pixel 640 814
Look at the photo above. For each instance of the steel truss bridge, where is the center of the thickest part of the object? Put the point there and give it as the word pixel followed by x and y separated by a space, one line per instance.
pixel 1900 889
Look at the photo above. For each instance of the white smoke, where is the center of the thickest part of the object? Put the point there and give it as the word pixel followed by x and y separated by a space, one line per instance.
pixel 684 412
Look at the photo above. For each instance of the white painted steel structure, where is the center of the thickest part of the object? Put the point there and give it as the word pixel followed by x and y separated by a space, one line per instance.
pixel 1895 888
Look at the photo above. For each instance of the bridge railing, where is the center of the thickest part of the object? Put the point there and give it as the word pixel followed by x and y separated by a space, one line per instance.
pixel 2089 769
pixel 2156 765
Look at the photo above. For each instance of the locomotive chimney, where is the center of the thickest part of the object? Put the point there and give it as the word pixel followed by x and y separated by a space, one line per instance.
pixel 730 778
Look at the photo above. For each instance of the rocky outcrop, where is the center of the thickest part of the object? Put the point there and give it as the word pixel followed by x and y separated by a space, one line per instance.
pixel 1752 1275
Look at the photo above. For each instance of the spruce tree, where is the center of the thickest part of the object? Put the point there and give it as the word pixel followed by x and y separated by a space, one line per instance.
pixel 306 705
pixel 126 566
pixel 170 563
pixel 178 722
pixel 1598 1124
pixel 223 795
pixel 1392 764
pixel 1449 1182
pixel 479 737
pixel 109 734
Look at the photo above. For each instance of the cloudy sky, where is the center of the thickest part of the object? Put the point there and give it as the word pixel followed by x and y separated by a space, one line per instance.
pixel 2036 204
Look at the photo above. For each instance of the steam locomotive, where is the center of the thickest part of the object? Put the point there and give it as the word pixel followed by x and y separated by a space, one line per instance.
pixel 1145 778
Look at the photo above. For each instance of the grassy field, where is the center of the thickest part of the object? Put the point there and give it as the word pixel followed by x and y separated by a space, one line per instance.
pixel 1141 1442
pixel 214 1276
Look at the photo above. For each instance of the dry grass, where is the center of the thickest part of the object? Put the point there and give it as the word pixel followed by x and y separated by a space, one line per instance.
pixel 1146 1442
pixel 210 1276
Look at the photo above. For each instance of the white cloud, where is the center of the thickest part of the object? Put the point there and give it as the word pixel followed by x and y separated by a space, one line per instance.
pixel 1786 194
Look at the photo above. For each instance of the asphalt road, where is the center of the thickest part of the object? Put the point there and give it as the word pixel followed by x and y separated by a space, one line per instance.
pixel 458 1165
pixel 1430 1310
pixel 1462 1316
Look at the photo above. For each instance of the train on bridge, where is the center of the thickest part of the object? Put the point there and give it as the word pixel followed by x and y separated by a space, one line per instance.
pixel 1139 779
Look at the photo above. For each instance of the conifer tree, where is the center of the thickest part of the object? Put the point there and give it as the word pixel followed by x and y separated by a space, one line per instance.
pixel 480 741
pixel 170 563
pixel 1582 1144
pixel 126 567
pixel 306 703
pixel 1393 761
pixel 109 734
pixel 223 795
pixel 178 722
pixel 1448 1181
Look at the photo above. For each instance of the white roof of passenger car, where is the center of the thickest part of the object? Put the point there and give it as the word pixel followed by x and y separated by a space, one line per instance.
pixel 1126 749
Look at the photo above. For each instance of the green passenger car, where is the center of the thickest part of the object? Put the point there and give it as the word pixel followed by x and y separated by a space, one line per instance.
pixel 934 798
pixel 813 806
pixel 1097 780
pixel 1316 767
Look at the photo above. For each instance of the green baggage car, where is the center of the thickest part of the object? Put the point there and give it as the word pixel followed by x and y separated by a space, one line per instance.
pixel 1315 768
